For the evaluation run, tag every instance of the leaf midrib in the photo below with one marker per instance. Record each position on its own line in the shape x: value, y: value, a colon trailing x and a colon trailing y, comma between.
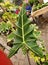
x: 22, y: 27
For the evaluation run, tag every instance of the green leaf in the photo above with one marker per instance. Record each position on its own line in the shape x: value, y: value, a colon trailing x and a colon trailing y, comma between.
x: 10, y: 36
x: 35, y: 48
x: 33, y: 1
x: 4, y: 26
x: 14, y: 49
x: 24, y: 35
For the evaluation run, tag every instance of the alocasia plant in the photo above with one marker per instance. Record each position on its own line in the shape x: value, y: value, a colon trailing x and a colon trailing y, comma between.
x: 26, y: 36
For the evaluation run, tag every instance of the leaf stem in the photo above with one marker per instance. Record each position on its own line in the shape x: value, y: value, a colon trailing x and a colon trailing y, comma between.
x: 28, y: 58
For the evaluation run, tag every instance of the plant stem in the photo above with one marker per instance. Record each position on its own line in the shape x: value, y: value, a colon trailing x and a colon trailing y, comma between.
x: 28, y: 58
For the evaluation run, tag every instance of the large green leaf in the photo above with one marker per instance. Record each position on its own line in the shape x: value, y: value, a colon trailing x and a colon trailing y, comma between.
x: 24, y: 36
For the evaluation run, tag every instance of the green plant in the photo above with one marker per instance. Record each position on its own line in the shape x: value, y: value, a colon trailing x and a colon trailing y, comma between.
x: 26, y: 37
x: 12, y: 17
x: 33, y: 1
x: 8, y: 11
x: 39, y: 60
x: 5, y: 28
x: 8, y: 17
x: 8, y: 20
x: 39, y: 6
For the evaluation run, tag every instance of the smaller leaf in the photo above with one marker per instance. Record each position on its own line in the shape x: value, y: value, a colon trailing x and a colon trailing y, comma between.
x: 14, y: 50
x: 10, y: 36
